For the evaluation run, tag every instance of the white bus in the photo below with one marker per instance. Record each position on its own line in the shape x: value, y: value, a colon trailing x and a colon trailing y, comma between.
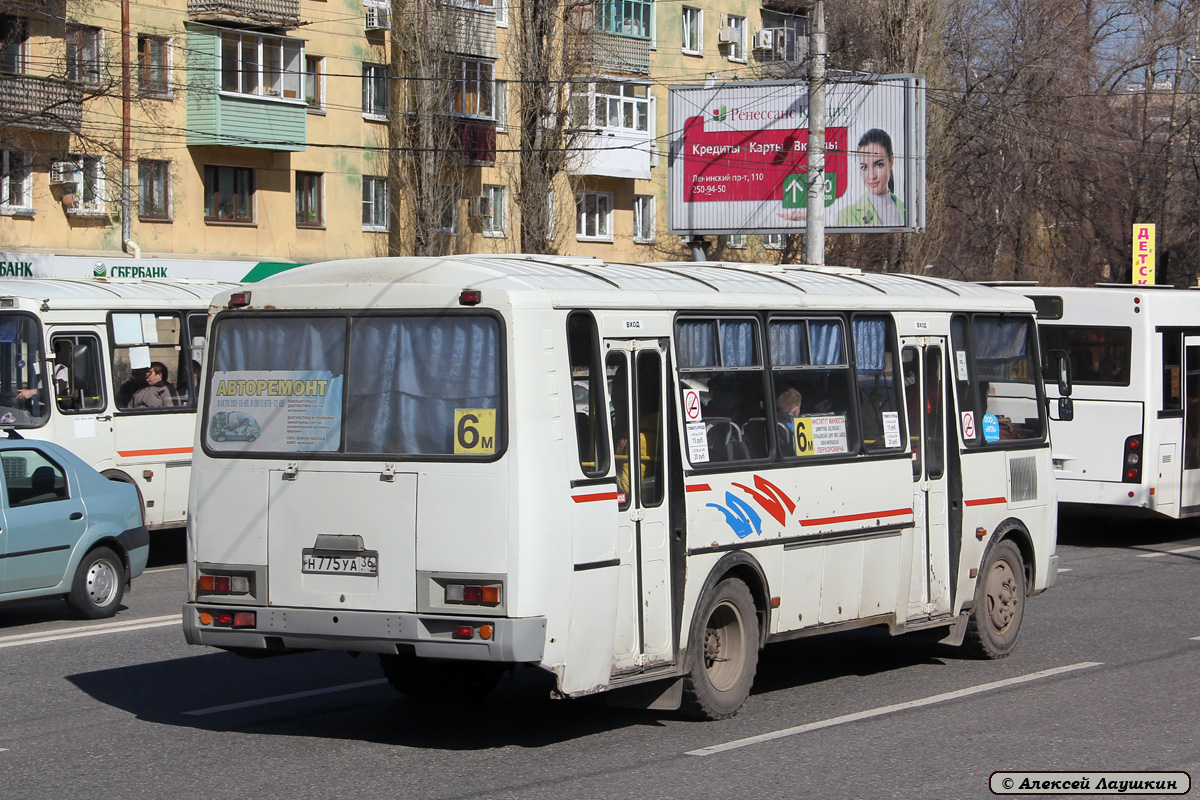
x: 1134, y: 440
x: 430, y: 459
x: 77, y: 357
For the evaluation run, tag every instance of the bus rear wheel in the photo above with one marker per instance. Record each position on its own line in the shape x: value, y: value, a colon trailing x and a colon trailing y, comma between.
x: 995, y: 622
x: 432, y: 679
x: 722, y: 653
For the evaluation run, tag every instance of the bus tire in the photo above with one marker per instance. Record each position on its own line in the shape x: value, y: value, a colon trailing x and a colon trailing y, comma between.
x: 99, y: 585
x: 722, y: 653
x: 434, y: 680
x: 995, y: 622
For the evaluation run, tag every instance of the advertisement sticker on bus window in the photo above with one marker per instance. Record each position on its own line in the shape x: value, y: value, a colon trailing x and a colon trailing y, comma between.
x: 127, y: 328
x: 961, y: 356
x: 891, y: 428
x: 149, y: 329
x: 697, y: 439
x: 820, y: 436
x: 276, y: 411
x: 474, y: 431
x: 692, y: 411
x: 991, y: 428
x: 968, y: 424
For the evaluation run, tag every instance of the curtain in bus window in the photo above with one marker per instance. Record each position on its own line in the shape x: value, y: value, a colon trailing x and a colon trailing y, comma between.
x: 317, y: 345
x: 997, y: 339
x: 788, y: 344
x: 412, y: 380
x: 737, y: 343
x: 870, y: 344
x: 697, y: 346
x: 826, y: 340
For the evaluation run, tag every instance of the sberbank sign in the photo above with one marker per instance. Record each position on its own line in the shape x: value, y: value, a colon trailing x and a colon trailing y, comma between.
x: 123, y: 271
x: 16, y: 269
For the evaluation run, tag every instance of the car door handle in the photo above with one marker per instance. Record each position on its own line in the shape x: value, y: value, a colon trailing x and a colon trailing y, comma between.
x: 76, y: 515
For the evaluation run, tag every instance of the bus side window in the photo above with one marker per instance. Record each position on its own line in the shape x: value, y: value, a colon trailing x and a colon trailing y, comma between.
x: 875, y: 371
x: 587, y: 389
x: 142, y: 339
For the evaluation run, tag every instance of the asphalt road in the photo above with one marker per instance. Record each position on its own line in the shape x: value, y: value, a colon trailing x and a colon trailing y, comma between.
x: 1104, y: 678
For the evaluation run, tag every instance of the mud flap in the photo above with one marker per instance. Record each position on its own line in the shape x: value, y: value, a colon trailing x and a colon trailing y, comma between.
x: 956, y: 632
x: 664, y: 695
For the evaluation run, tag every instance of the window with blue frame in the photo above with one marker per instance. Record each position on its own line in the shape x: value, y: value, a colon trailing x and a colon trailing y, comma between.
x: 625, y: 17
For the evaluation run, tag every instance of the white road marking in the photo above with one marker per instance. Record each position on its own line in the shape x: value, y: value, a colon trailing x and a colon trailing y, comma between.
x: 1161, y: 553
x: 162, y: 569
x: 878, y: 712
x: 1064, y: 569
x: 1196, y: 638
x: 282, y: 697
x: 97, y: 629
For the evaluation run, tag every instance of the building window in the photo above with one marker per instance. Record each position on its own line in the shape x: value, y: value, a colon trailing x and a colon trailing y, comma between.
x: 375, y: 204
x: 16, y: 182
x: 773, y: 241
x: 228, y: 194
x: 261, y: 65
x: 83, y: 55
x: 643, y: 218
x: 446, y: 210
x: 375, y: 91
x: 308, y: 200
x: 593, y: 216
x: 89, y: 182
x: 14, y: 34
x: 473, y: 90
x: 693, y: 31
x: 314, y: 82
x: 501, y: 100
x: 733, y: 35
x: 153, y: 183
x: 736, y: 241
x: 626, y: 17
x: 153, y: 67
x: 501, y: 13
x: 496, y: 200
x: 621, y: 106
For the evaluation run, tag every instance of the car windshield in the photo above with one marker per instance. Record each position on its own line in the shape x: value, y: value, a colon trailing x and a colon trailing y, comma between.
x: 23, y: 398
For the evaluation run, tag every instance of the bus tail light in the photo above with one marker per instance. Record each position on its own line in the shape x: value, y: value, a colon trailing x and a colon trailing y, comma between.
x: 229, y: 619
x: 239, y: 299
x: 222, y: 584
x: 1131, y: 466
x: 464, y: 632
x: 473, y: 594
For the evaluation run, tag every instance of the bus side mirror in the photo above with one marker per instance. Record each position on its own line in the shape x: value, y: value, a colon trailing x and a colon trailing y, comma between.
x: 1064, y: 373
x: 1066, y: 409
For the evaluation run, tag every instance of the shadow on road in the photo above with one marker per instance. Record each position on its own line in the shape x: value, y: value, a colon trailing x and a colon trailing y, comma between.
x: 520, y: 712
x: 1118, y: 528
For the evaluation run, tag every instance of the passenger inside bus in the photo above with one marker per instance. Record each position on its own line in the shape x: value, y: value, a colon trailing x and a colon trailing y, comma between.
x: 158, y: 392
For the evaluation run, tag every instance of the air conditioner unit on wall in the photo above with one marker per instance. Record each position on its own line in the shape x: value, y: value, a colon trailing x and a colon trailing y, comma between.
x: 63, y: 172
x: 482, y: 207
x: 728, y: 35
x: 378, y: 18
x: 764, y: 39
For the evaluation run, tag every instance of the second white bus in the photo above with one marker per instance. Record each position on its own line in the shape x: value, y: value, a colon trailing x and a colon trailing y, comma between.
x: 630, y: 476
x: 1133, y: 443
x: 75, y: 352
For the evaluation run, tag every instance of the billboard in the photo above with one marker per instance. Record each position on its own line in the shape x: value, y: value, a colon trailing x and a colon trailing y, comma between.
x: 739, y: 156
x: 1143, y: 254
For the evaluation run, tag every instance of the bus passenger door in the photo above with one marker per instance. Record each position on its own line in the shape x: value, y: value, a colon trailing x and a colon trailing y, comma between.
x: 1190, y: 490
x: 922, y: 360
x: 636, y: 371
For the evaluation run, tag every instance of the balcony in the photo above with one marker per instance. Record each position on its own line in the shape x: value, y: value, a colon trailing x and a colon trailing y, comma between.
x: 273, y: 14
x: 31, y: 101
x: 616, y: 53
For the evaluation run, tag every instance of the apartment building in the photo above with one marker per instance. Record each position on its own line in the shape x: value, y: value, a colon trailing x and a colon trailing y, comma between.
x: 271, y: 131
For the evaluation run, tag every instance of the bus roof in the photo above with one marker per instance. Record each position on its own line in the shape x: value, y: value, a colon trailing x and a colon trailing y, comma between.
x: 594, y: 283
x: 61, y: 293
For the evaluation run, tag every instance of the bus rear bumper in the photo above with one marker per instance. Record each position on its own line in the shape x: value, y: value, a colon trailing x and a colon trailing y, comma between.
x: 280, y: 630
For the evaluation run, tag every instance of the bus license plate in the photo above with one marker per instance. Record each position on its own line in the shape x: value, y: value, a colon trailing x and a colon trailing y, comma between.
x: 315, y: 562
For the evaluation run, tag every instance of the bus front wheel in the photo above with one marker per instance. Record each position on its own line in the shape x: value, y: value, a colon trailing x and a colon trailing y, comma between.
x: 995, y: 622
x: 722, y: 653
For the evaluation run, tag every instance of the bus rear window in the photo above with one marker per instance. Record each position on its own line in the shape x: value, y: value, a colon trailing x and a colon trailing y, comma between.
x: 1099, y: 356
x: 403, y: 385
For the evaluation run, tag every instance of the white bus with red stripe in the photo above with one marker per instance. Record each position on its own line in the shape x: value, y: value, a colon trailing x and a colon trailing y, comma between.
x: 74, y: 352
x: 630, y: 476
